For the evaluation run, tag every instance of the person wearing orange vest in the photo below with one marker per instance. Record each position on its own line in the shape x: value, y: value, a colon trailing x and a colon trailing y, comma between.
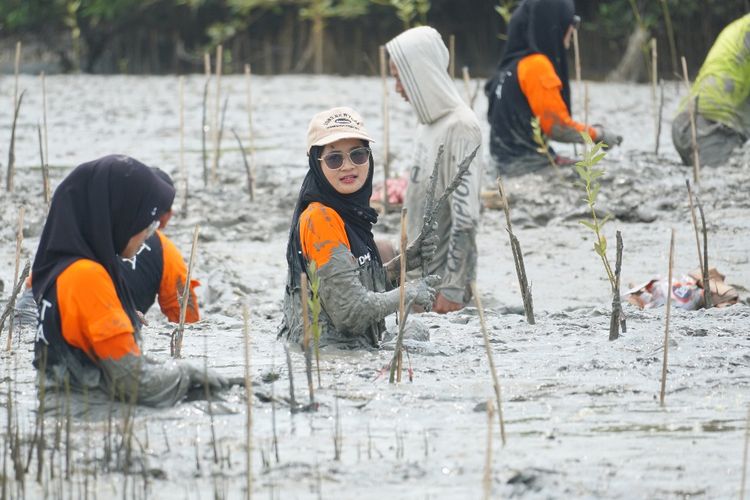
x: 88, y: 329
x: 532, y: 82
x: 331, y: 229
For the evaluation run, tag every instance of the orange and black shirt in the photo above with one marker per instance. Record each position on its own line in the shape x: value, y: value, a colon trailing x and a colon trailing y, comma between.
x: 159, y: 269
x: 527, y: 88
x: 82, y: 320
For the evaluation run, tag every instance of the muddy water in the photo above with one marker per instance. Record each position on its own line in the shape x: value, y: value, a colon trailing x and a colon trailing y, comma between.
x: 582, y: 413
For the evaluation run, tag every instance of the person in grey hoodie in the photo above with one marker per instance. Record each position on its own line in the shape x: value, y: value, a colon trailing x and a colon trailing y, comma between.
x: 419, y: 62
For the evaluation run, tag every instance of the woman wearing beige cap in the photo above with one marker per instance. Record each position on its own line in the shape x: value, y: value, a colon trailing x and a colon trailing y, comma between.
x: 332, y: 227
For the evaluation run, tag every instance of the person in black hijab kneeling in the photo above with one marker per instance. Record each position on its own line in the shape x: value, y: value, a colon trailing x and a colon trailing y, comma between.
x: 88, y: 328
x: 332, y: 229
x: 532, y: 82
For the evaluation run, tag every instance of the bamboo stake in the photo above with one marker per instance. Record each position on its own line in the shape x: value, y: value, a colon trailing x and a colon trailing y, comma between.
x: 19, y: 242
x: 654, y: 78
x: 249, y: 404
x: 396, y: 361
x: 204, y: 131
x: 251, y: 134
x: 577, y: 56
x: 386, y: 125
x: 45, y: 165
x: 176, y: 346
x: 744, y: 456
x: 306, y: 339
x: 17, y: 68
x: 45, y: 173
x: 487, y: 479
x: 695, y: 224
x: 658, y: 119
x: 670, y: 34
x: 12, y: 148
x: 491, y: 361
x: 693, y: 132
x: 207, y: 64
x: 666, y: 323
x: 707, y: 302
x: 217, y: 146
x: 515, y: 247
x: 586, y: 105
x: 452, y: 55
x: 183, y: 169
x: 616, y: 318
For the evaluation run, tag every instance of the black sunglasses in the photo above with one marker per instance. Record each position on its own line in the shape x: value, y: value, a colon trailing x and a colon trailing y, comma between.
x: 358, y: 157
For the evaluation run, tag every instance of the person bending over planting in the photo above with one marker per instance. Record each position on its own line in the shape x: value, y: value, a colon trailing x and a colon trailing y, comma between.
x: 419, y: 62
x: 722, y: 94
x: 531, y: 82
x: 88, y: 329
x: 157, y: 269
x: 332, y: 228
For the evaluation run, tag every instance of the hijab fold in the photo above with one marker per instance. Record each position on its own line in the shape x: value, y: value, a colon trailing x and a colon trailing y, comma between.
x: 94, y: 212
x: 353, y: 208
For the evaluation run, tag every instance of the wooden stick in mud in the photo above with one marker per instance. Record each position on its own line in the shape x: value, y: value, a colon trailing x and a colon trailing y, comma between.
x: 251, y: 134
x: 45, y: 174
x: 693, y: 131
x: 452, y: 55
x: 487, y: 478
x: 654, y: 82
x: 670, y: 35
x: 249, y: 404
x: 185, y: 300
x: 45, y: 165
x: 490, y: 360
x: 17, y: 68
x: 12, y: 148
x: 659, y: 116
x: 397, y: 356
x: 19, y: 243
x: 706, y: 281
x: 666, y: 323
x: 743, y: 482
x: 292, y: 399
x: 248, y: 170
x: 306, y: 347
x: 11, y: 303
x: 386, y: 126
x: 515, y: 247
x: 204, y: 153
x: 217, y: 102
x: 577, y: 54
x: 695, y: 224
x: 614, y: 323
x: 586, y: 104
x: 183, y: 169
x: 207, y: 64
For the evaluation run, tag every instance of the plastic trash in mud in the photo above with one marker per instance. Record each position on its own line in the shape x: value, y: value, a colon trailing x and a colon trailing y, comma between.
x: 687, y: 292
x: 396, y: 192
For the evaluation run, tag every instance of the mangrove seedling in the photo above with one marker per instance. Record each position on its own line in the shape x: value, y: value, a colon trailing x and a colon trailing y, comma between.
x: 314, y: 304
x: 536, y: 132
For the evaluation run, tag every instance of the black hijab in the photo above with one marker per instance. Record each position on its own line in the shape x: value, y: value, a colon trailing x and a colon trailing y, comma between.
x: 353, y: 208
x: 94, y: 212
x: 538, y: 26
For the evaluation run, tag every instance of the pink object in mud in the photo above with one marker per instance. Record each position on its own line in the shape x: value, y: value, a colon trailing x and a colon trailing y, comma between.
x: 396, y: 191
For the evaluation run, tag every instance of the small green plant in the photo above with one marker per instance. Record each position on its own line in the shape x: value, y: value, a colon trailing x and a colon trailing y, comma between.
x: 505, y: 9
x: 536, y: 131
x: 314, y: 304
x: 589, y: 173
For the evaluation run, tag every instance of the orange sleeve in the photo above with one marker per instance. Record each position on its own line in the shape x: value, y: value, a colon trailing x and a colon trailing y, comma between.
x: 542, y: 87
x: 321, y: 230
x: 91, y: 315
x: 173, y: 276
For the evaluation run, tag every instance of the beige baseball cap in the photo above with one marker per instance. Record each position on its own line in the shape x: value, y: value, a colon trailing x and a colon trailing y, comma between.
x: 333, y: 124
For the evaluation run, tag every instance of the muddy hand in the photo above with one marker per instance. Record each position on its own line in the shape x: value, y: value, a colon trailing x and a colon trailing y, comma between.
x: 608, y: 137
x: 422, y: 291
x: 203, y: 377
x: 423, y: 248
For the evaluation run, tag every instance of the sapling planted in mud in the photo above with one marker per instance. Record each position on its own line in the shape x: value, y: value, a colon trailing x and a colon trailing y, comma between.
x: 396, y: 361
x: 9, y: 306
x: 590, y: 174
x: 386, y: 124
x: 515, y: 247
x: 19, y: 242
x: 706, y: 276
x: 248, y: 170
x: 695, y: 223
x: 536, y: 133
x: 292, y: 399
x: 315, y: 307
x: 666, y: 322
x: 251, y: 134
